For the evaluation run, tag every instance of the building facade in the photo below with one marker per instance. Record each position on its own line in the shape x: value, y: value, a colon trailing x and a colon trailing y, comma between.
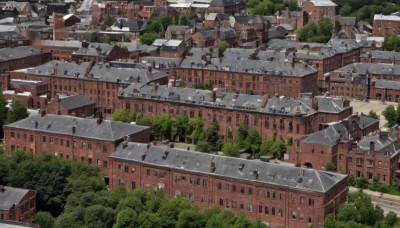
x: 17, y: 204
x: 281, y: 197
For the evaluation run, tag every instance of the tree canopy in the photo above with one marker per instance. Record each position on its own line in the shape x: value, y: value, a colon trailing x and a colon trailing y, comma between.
x: 320, y: 32
x: 391, y: 43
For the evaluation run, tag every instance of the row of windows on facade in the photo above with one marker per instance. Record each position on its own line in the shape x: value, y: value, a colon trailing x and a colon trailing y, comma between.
x: 220, y: 186
x: 233, y: 203
x: 370, y: 175
x: 57, y: 141
x: 221, y: 118
x: 27, y: 206
x: 370, y: 163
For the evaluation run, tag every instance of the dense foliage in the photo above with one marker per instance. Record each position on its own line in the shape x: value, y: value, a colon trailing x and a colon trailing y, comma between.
x: 72, y: 194
x: 391, y: 43
x: 269, y: 7
x: 360, y: 212
x: 16, y: 112
x: 364, y: 10
x: 203, y: 86
x: 392, y: 115
x: 373, y: 114
x: 362, y: 183
x: 320, y: 32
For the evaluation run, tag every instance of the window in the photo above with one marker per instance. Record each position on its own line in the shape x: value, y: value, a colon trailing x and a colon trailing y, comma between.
x: 31, y: 138
x: 105, y: 164
x: 301, y: 217
x: 293, y: 215
x: 13, y: 135
x: 233, y: 188
x: 133, y: 185
x: 61, y: 142
x: 227, y: 187
x: 67, y: 143
x: 268, y: 194
x: 98, y: 162
x: 219, y: 186
x: 293, y: 199
x: 126, y: 168
x: 249, y: 207
x: 260, y: 209
x: 43, y: 138
x: 205, y: 183
x: 301, y: 199
x: 155, y: 174
x: 281, y: 196
x: 233, y: 204
x: 266, y: 210
x: 273, y: 195
x: 89, y: 160
x: 311, y: 202
x: 241, y: 205
x: 273, y: 211
x: 202, y: 199
x: 221, y: 202
x: 280, y: 212
x: 309, y: 219
x: 147, y: 172
x: 89, y: 146
x: 250, y: 191
x: 119, y: 167
x: 242, y: 190
x: 24, y: 136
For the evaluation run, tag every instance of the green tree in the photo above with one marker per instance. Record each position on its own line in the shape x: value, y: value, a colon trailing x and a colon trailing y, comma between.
x: 223, y: 45
x: 191, y: 219
x: 391, y: 43
x: 109, y: 21
x: 345, y: 10
x: 183, y: 19
x: 90, y: 37
x: 44, y: 219
x: 127, y: 38
x: 390, y: 220
x: 126, y: 218
x: 330, y: 166
x: 169, y: 211
x: 3, y: 113
x: 148, y: 38
x: 293, y: 5
x: 373, y: 114
x: 320, y: 32
x: 98, y: 216
x: 390, y: 115
x: 106, y: 39
x: 149, y: 220
x: 231, y: 150
x: 17, y: 112
x: 203, y: 146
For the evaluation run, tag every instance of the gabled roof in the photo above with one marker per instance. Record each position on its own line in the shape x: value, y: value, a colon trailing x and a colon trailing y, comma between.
x: 331, y: 135
x: 107, y: 130
x: 387, y: 84
x: 76, y: 101
x: 332, y: 104
x: 95, y: 49
x: 229, y: 167
x: 11, y: 196
x: 7, y: 54
x: 384, y: 142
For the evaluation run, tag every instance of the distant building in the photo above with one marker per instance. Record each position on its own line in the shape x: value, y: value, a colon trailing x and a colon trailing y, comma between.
x: 230, y: 7
x: 75, y: 105
x: 318, y: 9
x: 386, y: 25
x: 17, y: 204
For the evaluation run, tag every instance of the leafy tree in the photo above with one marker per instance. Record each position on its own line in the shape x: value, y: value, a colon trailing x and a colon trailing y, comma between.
x: 16, y: 112
x: 127, y: 218
x: 252, y: 142
x: 319, y: 32
x: 170, y: 210
x: 373, y: 114
x: 127, y: 38
x: 90, y: 37
x: 330, y: 166
x: 44, y: 219
x: 391, y: 43
x: 109, y: 21
x: 203, y: 146
x: 183, y: 19
x: 390, y: 220
x: 345, y: 10
x: 191, y: 219
x: 223, y: 45
x: 204, y: 86
x: 390, y: 115
x: 148, y: 38
x: 98, y: 216
x: 231, y: 150
x: 149, y: 220
x: 106, y: 39
x: 292, y: 4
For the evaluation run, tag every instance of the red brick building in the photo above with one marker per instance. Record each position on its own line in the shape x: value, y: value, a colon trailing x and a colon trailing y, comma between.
x: 230, y: 7
x: 318, y: 9
x: 75, y: 105
x: 60, y: 50
x: 280, y: 196
x: 17, y: 204
x: 87, y: 140
x: 325, y: 145
x: 99, y: 52
x: 246, y: 75
x: 102, y: 11
x: 28, y: 92
x: 373, y: 156
x: 297, y: 19
x: 100, y: 83
x: 385, y: 25
x: 377, y: 56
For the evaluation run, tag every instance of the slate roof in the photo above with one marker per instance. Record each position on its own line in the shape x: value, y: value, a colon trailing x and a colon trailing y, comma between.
x: 387, y: 84
x: 27, y: 82
x: 283, y: 106
x: 136, y: 26
x: 178, y: 29
x: 331, y: 135
x: 7, y: 54
x: 366, y: 121
x: 219, y: 3
x: 161, y: 62
x: 95, y: 49
x: 387, y: 55
x: 174, y: 46
x: 65, y: 69
x: 228, y: 167
x: 11, y: 35
x: 332, y: 104
x: 281, y: 68
x: 371, y: 68
x: 107, y: 130
x: 347, y: 21
x: 384, y: 142
x: 219, y: 16
x: 75, y: 45
x: 11, y: 196
x: 343, y: 45
x: 76, y: 101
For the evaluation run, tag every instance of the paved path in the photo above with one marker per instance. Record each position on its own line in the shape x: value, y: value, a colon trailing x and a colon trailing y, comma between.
x: 387, y: 202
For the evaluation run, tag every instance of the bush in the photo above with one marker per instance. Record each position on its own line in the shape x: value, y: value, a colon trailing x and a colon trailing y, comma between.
x: 330, y: 166
x: 203, y: 146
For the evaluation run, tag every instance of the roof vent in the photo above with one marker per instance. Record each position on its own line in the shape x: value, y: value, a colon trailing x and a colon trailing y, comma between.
x: 255, y: 174
x: 165, y: 155
x: 125, y: 144
x: 241, y: 166
x: 36, y: 123
x: 148, y: 145
x: 212, y: 167
x: 73, y: 130
x: 143, y: 156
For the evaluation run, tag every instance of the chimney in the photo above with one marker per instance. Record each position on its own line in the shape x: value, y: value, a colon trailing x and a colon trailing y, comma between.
x: 255, y: 174
x: 371, y: 147
x: 213, y: 95
x: 36, y: 123
x: 55, y: 68
x: 99, y: 120
x: 42, y: 113
x: 124, y: 144
x: 171, y: 145
x: 148, y: 145
x: 154, y: 86
x: 85, y: 44
x: 73, y: 130
x: 143, y: 156
x: 383, y: 135
x: 212, y: 167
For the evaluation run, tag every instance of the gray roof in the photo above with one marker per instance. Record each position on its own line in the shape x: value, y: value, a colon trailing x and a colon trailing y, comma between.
x: 331, y: 135
x: 7, y: 54
x: 60, y: 68
x: 86, y: 128
x: 222, y: 3
x: 76, y: 101
x: 343, y: 45
x: 161, y: 62
x: 384, y: 142
x: 75, y: 45
x: 346, y: 21
x: 387, y: 84
x: 11, y: 196
x: 387, y: 55
x: 95, y: 49
x: 283, y: 106
x: 228, y: 167
x: 332, y: 104
x: 370, y: 68
x: 137, y: 46
x: 282, y: 68
x: 179, y: 29
x: 26, y: 82
x: 366, y: 121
